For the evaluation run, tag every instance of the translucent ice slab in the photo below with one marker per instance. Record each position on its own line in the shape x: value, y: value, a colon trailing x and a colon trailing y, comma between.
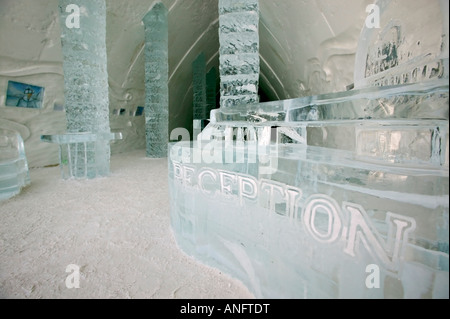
x: 428, y: 100
x: 14, y: 173
x: 402, y: 125
x: 335, y: 196
x: 82, y: 155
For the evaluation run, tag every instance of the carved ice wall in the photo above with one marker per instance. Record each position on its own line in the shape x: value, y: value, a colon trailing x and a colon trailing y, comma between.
x: 239, y: 52
x: 402, y: 50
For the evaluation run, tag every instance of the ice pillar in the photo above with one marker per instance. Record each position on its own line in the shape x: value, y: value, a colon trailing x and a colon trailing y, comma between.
x: 156, y: 81
x: 199, y: 89
x: 83, y: 33
x: 239, y: 51
x: 210, y: 91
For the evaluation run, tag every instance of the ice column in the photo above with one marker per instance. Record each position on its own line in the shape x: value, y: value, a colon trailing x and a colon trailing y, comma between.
x: 83, y: 33
x: 239, y: 51
x: 199, y: 88
x: 210, y: 91
x: 156, y: 81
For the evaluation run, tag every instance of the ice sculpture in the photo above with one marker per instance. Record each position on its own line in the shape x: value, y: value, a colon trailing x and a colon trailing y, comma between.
x: 199, y: 88
x: 342, y: 195
x: 79, y: 154
x: 156, y: 81
x: 409, y: 47
x: 239, y: 52
x: 334, y: 196
x: 83, y: 32
x: 14, y: 173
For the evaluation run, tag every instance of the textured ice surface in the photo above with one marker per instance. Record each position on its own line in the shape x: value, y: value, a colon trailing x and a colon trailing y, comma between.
x: 342, y: 195
x: 407, y: 48
x: 210, y: 91
x: 239, y: 52
x: 14, y: 173
x: 334, y: 196
x: 204, y: 87
x: 428, y: 100
x: 156, y: 81
x: 86, y: 76
x: 85, y: 67
x: 199, y: 87
x: 82, y: 154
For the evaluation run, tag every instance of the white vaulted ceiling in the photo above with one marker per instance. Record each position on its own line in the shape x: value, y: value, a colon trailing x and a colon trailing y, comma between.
x: 307, y: 47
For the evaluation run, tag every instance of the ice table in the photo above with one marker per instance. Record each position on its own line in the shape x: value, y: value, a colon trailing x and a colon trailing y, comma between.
x: 14, y: 173
x: 83, y: 155
x: 342, y: 195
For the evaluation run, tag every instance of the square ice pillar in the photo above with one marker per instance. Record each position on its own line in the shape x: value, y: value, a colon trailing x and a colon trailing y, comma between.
x: 83, y: 155
x: 239, y: 52
x: 210, y: 91
x: 156, y: 81
x: 199, y: 87
x: 14, y: 173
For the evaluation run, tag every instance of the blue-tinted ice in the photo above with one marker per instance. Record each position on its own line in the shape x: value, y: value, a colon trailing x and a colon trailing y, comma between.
x: 342, y: 195
x: 156, y: 81
x: 14, y: 173
x: 199, y: 88
x: 82, y: 155
x: 239, y: 52
x: 85, y: 85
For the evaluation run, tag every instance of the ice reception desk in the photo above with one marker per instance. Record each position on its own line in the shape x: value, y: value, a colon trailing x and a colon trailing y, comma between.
x: 342, y: 195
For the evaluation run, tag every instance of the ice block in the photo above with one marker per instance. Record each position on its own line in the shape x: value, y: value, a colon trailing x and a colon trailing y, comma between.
x: 14, y: 172
x: 408, y: 46
x: 341, y: 195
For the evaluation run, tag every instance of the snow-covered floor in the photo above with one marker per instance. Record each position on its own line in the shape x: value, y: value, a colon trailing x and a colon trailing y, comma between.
x: 115, y: 229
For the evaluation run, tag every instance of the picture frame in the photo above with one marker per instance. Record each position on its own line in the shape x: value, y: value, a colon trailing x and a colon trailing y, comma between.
x: 24, y: 95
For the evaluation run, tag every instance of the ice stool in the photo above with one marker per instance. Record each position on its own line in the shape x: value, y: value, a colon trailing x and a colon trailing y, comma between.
x: 83, y: 155
x: 14, y: 172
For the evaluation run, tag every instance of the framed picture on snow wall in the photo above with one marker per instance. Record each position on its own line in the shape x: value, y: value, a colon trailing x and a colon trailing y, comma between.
x: 24, y: 95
